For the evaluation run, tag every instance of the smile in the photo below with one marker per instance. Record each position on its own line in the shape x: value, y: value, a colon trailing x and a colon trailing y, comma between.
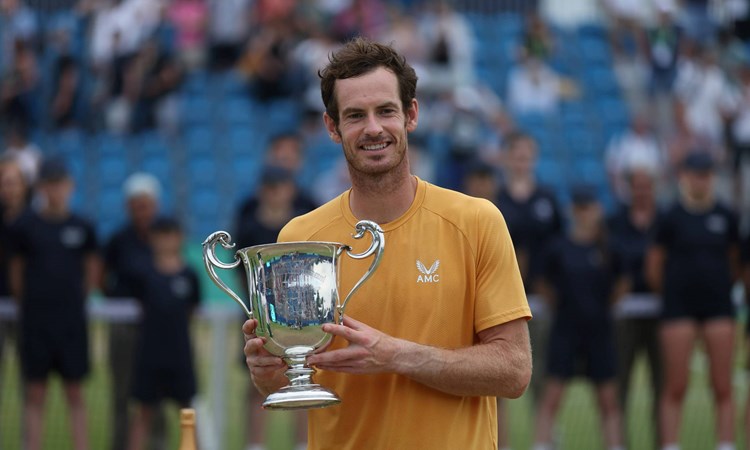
x: 375, y: 147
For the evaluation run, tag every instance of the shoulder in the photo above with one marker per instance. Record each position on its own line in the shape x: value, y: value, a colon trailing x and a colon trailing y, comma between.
x: 304, y: 227
x: 458, y: 207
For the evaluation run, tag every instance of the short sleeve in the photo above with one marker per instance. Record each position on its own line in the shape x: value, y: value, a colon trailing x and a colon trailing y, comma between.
x: 500, y: 295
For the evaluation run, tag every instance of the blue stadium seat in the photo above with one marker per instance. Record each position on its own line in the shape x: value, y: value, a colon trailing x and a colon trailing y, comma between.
x: 112, y: 169
x: 111, y: 144
x: 246, y: 141
x: 199, y: 140
x: 202, y: 171
x: 196, y: 110
x: 157, y: 165
x: 551, y: 173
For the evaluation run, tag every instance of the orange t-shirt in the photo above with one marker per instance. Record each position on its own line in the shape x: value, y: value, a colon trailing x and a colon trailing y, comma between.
x: 448, y: 271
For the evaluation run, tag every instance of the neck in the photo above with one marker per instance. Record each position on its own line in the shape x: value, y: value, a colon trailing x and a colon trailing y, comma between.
x: 274, y: 216
x: 55, y: 213
x: 382, y: 198
x: 585, y: 235
x: 12, y: 212
x: 521, y: 186
x: 168, y: 262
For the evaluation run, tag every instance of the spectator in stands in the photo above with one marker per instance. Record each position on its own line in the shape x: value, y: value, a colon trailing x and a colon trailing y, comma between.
x: 663, y: 45
x: 739, y: 133
x: 53, y: 267
x: 536, y: 40
x: 480, y: 181
x: 636, y: 146
x: 285, y: 152
x: 152, y: 82
x: 26, y: 154
x: 703, y: 98
x: 190, y: 19
x: 127, y: 251
x: 19, y: 86
x: 581, y: 277
x: 533, y: 216
x: 697, y: 21
x: 449, y: 61
x: 67, y: 93
x: 275, y: 207
x: 229, y: 28
x: 693, y: 263
x: 534, y: 88
x: 17, y: 23
x: 169, y: 292
x: 268, y: 63
x: 360, y: 18
x: 631, y: 230
x: 14, y: 199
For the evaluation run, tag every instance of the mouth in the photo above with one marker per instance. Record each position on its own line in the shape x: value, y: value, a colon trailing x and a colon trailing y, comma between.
x: 375, y: 147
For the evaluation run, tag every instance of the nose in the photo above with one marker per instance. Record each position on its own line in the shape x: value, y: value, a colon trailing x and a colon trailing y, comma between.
x: 373, y: 127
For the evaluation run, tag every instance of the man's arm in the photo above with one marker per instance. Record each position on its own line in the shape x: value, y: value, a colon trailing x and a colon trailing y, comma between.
x: 92, y: 266
x: 498, y: 365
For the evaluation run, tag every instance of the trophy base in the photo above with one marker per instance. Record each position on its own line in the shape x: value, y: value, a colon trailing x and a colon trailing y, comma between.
x: 307, y: 396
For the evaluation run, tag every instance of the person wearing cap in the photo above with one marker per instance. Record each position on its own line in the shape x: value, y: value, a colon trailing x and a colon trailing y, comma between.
x: 275, y: 207
x: 54, y: 265
x: 169, y: 293
x: 125, y: 253
x: 693, y: 263
x: 579, y: 279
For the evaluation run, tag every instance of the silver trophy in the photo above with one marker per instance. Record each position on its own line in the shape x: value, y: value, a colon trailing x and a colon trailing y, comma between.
x: 293, y: 290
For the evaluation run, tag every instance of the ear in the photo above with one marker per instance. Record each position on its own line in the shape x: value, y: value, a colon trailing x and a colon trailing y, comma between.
x: 332, y: 129
x: 412, y: 115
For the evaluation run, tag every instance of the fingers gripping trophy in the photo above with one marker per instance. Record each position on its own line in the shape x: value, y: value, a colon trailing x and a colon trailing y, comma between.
x: 293, y: 289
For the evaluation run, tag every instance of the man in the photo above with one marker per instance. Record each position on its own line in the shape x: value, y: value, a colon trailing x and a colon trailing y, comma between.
x: 127, y: 252
x: 53, y: 267
x: 417, y: 361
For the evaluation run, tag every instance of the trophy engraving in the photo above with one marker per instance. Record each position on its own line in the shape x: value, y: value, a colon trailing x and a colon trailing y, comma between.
x: 293, y: 291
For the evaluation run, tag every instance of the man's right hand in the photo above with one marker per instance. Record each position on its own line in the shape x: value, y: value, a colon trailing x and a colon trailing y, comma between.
x: 267, y: 370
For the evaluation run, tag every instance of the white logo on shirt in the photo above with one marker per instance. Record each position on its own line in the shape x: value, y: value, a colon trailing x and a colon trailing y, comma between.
x: 181, y: 287
x: 716, y: 224
x: 72, y: 236
x: 428, y: 275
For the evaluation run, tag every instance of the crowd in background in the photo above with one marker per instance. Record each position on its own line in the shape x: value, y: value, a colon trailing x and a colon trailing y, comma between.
x: 656, y: 269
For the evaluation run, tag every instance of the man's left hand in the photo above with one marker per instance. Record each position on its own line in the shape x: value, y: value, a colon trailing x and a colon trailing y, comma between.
x: 369, y: 350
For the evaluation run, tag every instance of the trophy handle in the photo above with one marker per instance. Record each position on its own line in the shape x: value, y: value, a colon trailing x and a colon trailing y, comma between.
x: 211, y: 260
x: 376, y: 247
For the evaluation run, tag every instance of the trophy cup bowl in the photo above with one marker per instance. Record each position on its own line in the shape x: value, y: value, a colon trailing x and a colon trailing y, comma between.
x: 293, y: 291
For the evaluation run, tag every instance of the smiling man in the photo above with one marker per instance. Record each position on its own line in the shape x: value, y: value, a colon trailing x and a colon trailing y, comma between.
x: 440, y: 328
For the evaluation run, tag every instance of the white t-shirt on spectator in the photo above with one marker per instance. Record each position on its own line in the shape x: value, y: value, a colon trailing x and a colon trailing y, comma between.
x: 705, y: 93
x: 28, y: 159
x: 533, y: 89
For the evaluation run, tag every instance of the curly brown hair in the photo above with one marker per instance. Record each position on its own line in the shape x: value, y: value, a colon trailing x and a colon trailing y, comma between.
x: 358, y: 57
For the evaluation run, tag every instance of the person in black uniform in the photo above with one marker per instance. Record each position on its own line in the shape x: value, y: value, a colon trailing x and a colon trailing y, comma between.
x: 127, y: 252
x: 169, y: 292
x: 275, y: 207
x: 580, y: 276
x: 631, y: 230
x: 534, y: 220
x: 53, y: 267
x: 694, y: 262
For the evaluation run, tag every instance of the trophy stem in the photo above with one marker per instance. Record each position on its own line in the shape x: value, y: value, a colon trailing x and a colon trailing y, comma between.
x: 301, y: 393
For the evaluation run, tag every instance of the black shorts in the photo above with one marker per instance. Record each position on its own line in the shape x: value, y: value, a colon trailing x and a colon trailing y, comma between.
x: 674, y: 309
x: 44, y: 351
x: 154, y: 384
x: 575, y: 351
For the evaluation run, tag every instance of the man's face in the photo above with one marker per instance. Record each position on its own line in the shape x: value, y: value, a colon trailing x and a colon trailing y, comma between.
x: 287, y: 153
x: 522, y: 157
x: 166, y: 242
x: 142, y: 210
x: 372, y: 126
x: 57, y: 192
x: 641, y: 186
x: 698, y: 183
x: 481, y: 186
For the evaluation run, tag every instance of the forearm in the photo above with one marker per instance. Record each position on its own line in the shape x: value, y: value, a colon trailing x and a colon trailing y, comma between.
x: 497, y: 368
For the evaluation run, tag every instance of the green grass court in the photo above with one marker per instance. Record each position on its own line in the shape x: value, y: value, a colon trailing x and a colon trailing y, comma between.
x: 578, y: 428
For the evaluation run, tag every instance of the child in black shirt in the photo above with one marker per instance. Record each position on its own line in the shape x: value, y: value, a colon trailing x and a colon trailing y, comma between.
x: 169, y: 293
